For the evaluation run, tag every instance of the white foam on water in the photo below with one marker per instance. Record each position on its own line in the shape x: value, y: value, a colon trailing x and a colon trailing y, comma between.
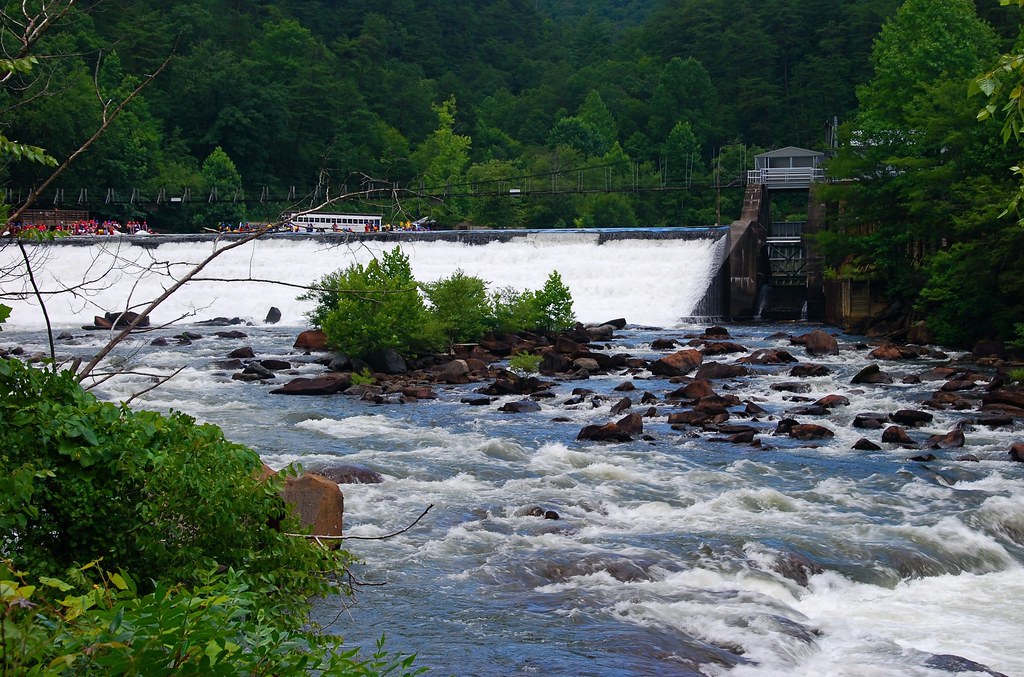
x: 649, y: 281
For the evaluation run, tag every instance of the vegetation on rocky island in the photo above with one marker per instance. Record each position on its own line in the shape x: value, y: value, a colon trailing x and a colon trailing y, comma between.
x: 380, y: 306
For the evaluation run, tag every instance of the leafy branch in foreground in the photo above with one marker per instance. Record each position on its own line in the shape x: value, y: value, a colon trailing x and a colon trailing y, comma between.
x: 223, y: 590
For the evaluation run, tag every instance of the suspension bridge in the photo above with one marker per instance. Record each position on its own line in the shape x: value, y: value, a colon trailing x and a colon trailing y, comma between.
x: 606, y: 178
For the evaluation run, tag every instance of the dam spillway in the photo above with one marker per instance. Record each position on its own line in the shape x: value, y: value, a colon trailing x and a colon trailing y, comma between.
x: 649, y: 276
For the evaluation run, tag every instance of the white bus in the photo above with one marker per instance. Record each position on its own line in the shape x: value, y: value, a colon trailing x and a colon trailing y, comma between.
x: 319, y: 221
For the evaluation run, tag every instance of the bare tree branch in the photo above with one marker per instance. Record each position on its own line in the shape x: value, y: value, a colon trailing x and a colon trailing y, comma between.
x: 42, y: 304
x: 319, y: 537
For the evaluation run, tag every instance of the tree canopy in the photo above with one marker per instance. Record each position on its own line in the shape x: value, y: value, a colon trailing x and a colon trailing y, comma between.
x: 301, y: 93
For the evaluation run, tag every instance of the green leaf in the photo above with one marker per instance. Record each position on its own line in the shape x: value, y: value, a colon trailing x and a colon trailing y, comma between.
x: 55, y: 583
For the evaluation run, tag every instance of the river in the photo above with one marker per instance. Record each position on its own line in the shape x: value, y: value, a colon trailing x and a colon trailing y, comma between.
x: 680, y: 554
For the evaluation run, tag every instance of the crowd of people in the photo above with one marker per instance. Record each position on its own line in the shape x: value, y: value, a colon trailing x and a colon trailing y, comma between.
x: 84, y: 227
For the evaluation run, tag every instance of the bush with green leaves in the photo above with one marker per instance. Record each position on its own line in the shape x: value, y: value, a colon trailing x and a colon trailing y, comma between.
x: 363, y: 309
x: 159, y: 495
x: 512, y: 310
x: 460, y: 307
x: 162, y: 498
x: 547, y: 309
x: 100, y: 623
x: 525, y: 363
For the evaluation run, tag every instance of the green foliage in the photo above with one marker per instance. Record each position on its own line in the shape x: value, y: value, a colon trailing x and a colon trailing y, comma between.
x: 580, y: 135
x: 553, y: 303
x: 378, y: 306
x: 459, y: 305
x: 99, y: 623
x: 363, y: 378
x: 512, y: 310
x: 145, y: 492
x: 524, y: 363
x: 548, y: 309
x: 221, y: 591
x: 5, y: 312
x: 222, y: 181
x: 364, y: 309
x: 299, y: 96
x: 1018, y: 341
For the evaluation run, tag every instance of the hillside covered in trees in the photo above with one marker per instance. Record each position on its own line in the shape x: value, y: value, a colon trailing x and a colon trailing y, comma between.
x: 461, y: 101
x: 312, y: 92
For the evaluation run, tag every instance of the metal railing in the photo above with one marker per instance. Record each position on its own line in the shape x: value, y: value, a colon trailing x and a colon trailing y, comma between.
x: 786, y: 175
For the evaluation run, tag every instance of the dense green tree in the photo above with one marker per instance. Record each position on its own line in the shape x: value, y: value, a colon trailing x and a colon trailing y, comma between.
x: 594, y: 112
x: 460, y: 306
x: 303, y: 94
x: 442, y: 159
x: 684, y: 92
x: 496, y: 209
x: 927, y: 175
x: 221, y: 201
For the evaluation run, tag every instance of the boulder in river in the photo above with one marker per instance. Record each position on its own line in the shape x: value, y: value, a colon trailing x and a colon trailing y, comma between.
x: 719, y: 370
x: 809, y: 370
x: 243, y: 353
x: 520, y: 407
x: 349, y: 474
x: 609, y: 432
x: 1017, y: 452
x: 894, y: 434
x: 954, y: 439
x: 768, y: 356
x: 387, y: 361
x: 631, y: 424
x: 819, y: 342
x: 871, y: 374
x: 810, y: 431
x: 317, y: 502
x: 677, y: 364
x: 911, y: 417
x: 313, y: 340
x: 326, y: 384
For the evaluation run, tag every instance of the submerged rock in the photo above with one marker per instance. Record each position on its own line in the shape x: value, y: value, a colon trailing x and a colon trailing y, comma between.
x: 350, y: 474
x: 327, y: 384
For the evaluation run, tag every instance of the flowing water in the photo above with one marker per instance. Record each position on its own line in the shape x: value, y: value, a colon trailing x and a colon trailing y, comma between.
x: 674, y: 555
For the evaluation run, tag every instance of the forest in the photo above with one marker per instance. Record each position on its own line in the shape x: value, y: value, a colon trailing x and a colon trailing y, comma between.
x: 632, y: 112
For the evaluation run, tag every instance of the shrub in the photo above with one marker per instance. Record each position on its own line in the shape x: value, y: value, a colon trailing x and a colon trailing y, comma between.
x: 363, y: 309
x: 524, y: 363
x: 100, y: 624
x: 459, y: 306
x: 161, y: 495
x: 222, y: 591
x: 548, y: 309
x: 512, y: 310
